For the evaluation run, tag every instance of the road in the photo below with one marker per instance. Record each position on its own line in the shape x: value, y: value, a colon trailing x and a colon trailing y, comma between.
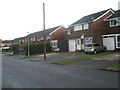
x: 23, y: 73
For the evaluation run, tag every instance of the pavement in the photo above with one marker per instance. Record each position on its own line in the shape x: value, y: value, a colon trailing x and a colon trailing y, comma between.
x: 27, y: 73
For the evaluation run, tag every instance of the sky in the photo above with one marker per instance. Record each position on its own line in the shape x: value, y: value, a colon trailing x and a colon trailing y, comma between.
x: 17, y: 17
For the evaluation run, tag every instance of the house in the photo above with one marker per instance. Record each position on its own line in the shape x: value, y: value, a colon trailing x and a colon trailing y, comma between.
x: 112, y: 37
x: 5, y: 45
x: 88, y: 29
x: 53, y: 35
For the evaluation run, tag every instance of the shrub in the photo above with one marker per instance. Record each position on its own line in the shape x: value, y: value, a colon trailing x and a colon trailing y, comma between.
x: 15, y: 49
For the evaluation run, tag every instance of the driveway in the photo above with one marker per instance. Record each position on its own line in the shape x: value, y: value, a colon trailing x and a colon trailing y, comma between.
x: 23, y: 73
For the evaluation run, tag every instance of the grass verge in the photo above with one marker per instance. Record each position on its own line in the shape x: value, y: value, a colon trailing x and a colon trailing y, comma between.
x: 65, y: 62
x: 9, y: 55
x: 114, y: 67
x: 91, y: 56
x: 25, y: 57
x: 2, y: 53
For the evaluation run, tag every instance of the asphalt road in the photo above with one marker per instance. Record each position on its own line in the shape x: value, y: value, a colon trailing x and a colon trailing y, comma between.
x: 19, y: 73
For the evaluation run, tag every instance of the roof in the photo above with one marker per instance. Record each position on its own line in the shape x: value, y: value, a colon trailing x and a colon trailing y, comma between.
x: 40, y: 33
x: 115, y: 15
x: 90, y: 17
x: 17, y: 39
x: 6, y: 41
x: 36, y: 34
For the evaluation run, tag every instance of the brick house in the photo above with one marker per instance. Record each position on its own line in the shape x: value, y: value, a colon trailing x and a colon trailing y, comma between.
x: 52, y: 35
x: 111, y: 39
x: 89, y: 29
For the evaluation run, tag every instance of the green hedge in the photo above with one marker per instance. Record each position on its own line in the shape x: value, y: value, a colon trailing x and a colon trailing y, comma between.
x: 15, y: 49
x: 37, y: 48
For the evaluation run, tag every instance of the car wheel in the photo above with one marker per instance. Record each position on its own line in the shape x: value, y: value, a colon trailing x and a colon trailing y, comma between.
x: 105, y: 49
x: 94, y: 51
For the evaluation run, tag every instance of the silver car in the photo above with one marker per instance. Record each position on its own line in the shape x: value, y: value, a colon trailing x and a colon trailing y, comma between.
x: 94, y: 48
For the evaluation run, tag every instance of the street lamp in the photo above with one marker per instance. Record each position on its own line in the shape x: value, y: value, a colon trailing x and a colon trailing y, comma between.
x: 28, y: 46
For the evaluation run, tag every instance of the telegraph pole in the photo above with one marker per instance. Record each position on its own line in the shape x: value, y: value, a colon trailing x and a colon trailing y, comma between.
x: 28, y: 46
x: 44, y: 31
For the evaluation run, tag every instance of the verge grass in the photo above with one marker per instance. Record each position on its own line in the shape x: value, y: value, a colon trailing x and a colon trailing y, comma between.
x: 114, y: 67
x: 65, y: 62
x: 91, y: 56
x: 9, y: 55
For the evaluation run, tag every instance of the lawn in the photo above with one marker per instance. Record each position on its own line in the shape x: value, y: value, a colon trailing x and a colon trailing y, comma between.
x: 114, y: 67
x: 65, y: 62
x: 90, y: 56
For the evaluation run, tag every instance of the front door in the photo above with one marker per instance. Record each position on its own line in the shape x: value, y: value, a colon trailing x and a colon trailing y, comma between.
x: 72, y: 45
x: 78, y: 44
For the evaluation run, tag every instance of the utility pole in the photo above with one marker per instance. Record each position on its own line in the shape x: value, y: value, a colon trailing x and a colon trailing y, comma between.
x: 44, y: 31
x: 28, y: 46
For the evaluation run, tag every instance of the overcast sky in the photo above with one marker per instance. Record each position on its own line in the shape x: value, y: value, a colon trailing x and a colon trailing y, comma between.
x: 17, y: 17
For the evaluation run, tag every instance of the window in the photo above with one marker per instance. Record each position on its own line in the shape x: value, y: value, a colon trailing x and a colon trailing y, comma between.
x: 81, y: 27
x: 115, y: 22
x: 33, y: 38
x: 85, y: 26
x: 41, y: 38
x: 118, y: 38
x: 48, y: 37
x: 88, y: 40
x: 68, y: 32
x: 54, y: 43
x: 38, y: 38
x: 78, y: 27
x: 118, y: 41
x: 78, y: 42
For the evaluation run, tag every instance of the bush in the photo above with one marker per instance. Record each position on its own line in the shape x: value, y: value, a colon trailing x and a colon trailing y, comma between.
x: 37, y: 48
x: 15, y: 49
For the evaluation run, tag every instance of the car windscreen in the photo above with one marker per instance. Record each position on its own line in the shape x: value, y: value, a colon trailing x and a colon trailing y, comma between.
x: 88, y: 45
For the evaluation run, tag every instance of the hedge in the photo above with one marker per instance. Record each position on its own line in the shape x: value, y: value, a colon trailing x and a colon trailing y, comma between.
x: 15, y: 49
x: 37, y: 48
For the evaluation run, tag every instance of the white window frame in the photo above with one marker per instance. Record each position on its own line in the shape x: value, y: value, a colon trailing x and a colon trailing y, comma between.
x: 112, y: 22
x: 85, y: 26
x: 117, y: 42
x: 78, y: 27
x: 54, y: 43
x: 88, y: 40
x: 68, y: 32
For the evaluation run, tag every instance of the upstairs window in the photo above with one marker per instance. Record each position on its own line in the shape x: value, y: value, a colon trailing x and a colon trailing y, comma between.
x: 115, y: 22
x: 85, y: 26
x: 81, y: 27
x: 78, y: 27
x: 68, y: 32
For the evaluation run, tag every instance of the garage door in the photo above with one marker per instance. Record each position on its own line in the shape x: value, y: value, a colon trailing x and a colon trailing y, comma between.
x: 72, y: 45
x: 109, y: 43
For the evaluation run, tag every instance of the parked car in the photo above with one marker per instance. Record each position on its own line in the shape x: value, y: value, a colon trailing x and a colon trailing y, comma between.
x: 94, y: 48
